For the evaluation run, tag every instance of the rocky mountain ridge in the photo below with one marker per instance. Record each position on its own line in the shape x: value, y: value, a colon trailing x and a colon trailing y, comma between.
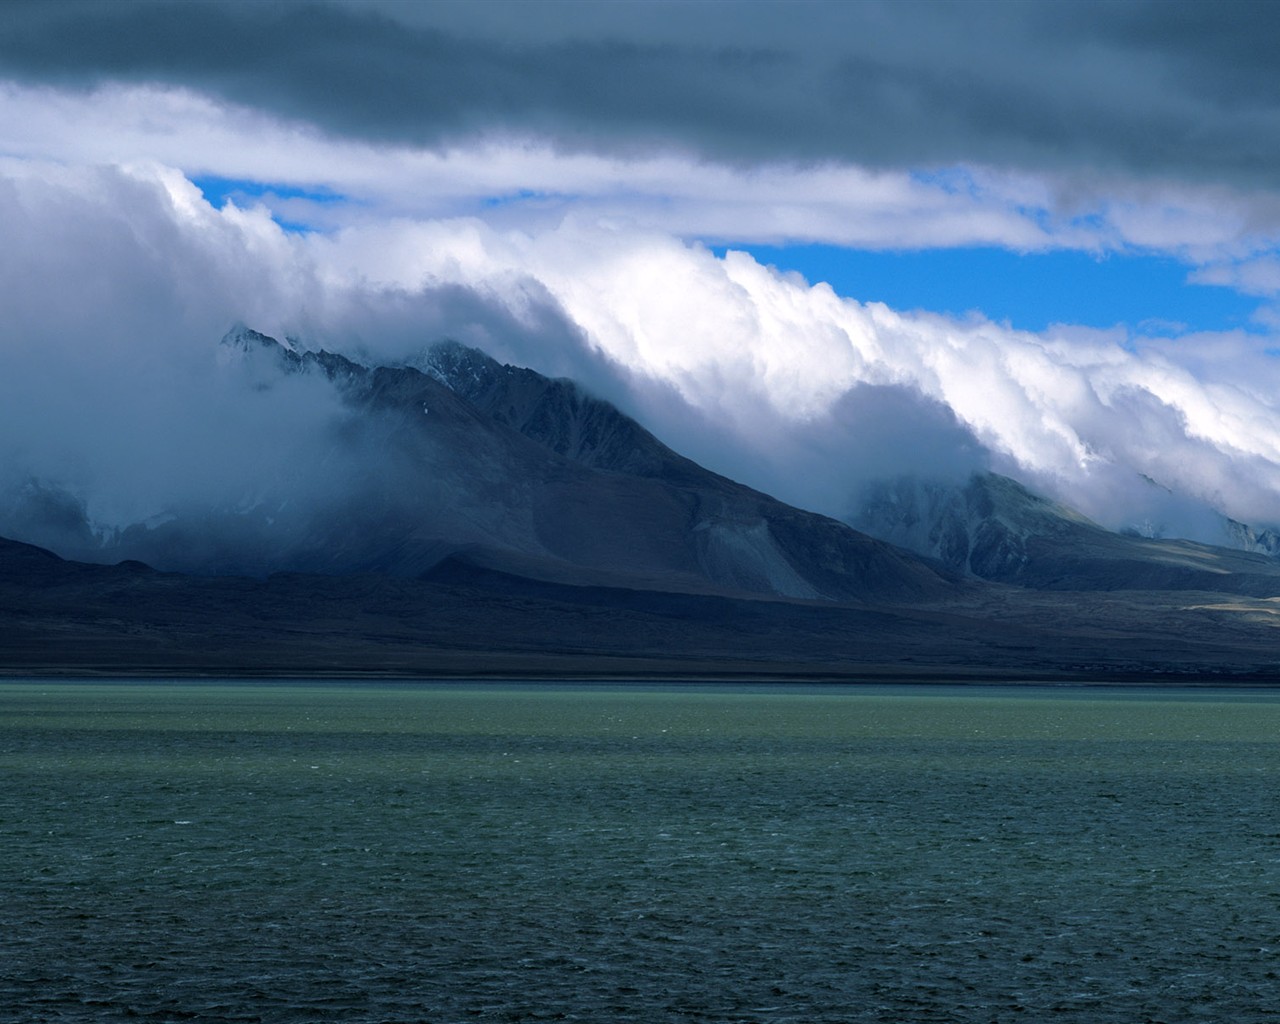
x: 993, y: 528
x: 478, y: 518
x: 499, y: 466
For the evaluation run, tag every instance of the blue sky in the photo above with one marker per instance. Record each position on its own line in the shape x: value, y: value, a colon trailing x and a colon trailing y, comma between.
x: 1031, y: 291
x: 277, y: 195
x: 218, y: 190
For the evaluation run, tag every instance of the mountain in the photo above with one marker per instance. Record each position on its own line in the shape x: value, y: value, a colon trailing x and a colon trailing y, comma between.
x: 67, y: 618
x: 463, y: 517
x: 993, y: 528
x: 556, y: 413
x: 1247, y: 538
x: 463, y: 458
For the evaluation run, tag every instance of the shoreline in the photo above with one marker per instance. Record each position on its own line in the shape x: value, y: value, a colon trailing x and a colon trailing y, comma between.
x: 673, y: 675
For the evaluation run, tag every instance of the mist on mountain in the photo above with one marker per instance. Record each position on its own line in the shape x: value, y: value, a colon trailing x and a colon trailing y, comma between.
x: 116, y: 413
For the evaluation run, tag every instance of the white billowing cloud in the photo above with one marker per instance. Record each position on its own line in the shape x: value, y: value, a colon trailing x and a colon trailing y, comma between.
x: 117, y: 283
x: 115, y: 286
x: 768, y: 356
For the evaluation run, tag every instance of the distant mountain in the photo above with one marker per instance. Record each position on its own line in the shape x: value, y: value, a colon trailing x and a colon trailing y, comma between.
x: 993, y: 528
x: 464, y: 517
x: 1247, y: 538
x: 463, y: 458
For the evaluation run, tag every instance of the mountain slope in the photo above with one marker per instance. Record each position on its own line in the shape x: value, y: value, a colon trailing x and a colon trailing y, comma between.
x: 65, y: 618
x: 557, y: 413
x: 993, y: 528
x: 522, y: 474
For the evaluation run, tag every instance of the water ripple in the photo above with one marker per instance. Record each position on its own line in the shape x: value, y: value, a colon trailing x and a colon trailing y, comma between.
x: 635, y: 856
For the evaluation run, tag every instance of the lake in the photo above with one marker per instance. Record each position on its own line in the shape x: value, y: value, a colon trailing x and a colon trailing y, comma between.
x: 495, y: 852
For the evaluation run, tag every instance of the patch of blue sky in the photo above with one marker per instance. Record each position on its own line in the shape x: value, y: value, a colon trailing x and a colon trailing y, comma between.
x: 524, y: 195
x: 1146, y: 293
x: 244, y: 192
x: 218, y: 190
x: 295, y: 227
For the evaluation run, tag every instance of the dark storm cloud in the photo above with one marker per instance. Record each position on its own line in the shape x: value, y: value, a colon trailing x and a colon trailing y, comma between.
x: 1180, y: 89
x: 362, y: 74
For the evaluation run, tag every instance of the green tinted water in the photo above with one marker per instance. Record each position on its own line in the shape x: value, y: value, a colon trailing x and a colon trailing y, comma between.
x: 444, y: 853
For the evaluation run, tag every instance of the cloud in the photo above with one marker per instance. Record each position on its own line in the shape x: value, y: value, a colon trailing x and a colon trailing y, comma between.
x: 542, y: 180
x: 113, y: 285
x: 519, y: 181
x: 117, y: 283
x: 879, y: 126
x: 1176, y: 89
x: 779, y: 365
x: 117, y: 405
x: 120, y: 411
x: 298, y: 176
x: 1259, y: 276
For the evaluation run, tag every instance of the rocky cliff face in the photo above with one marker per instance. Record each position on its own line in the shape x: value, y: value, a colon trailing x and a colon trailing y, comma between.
x: 1247, y: 538
x: 993, y: 528
x: 982, y: 527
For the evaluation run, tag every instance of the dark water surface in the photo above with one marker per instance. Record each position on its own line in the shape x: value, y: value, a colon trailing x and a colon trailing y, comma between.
x: 365, y: 852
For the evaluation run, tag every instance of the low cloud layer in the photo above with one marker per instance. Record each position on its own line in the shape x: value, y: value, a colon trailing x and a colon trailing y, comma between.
x: 118, y: 283
x: 1083, y: 415
x: 118, y: 406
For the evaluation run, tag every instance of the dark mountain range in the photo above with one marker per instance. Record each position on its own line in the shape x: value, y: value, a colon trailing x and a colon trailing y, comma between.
x: 506, y: 469
x: 993, y: 528
x: 472, y: 518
